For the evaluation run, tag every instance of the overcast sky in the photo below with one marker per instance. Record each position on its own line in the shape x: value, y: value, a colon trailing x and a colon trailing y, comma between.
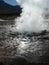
x: 12, y: 2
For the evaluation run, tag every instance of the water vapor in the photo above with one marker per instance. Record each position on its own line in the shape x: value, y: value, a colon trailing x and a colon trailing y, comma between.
x: 32, y: 17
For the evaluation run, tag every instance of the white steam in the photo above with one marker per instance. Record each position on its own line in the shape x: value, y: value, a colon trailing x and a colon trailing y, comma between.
x: 32, y: 16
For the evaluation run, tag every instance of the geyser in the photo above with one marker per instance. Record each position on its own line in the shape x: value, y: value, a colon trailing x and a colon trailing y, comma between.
x: 33, y: 17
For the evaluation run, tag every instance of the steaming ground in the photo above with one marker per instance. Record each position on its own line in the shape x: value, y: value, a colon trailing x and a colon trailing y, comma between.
x: 23, y: 38
x: 33, y: 47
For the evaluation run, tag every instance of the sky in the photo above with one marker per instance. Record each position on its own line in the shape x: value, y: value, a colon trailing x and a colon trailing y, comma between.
x: 12, y: 2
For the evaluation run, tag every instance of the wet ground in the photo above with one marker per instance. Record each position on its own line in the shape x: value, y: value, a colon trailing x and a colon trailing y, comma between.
x: 16, y: 47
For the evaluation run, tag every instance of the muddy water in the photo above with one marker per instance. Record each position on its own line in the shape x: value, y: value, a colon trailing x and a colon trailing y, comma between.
x: 32, y: 47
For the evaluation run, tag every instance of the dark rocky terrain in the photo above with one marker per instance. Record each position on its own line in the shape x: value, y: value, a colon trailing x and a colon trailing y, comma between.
x: 23, y: 49
x: 9, y: 9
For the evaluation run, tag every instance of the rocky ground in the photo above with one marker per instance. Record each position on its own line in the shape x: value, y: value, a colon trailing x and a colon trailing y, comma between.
x: 33, y: 48
x: 16, y: 47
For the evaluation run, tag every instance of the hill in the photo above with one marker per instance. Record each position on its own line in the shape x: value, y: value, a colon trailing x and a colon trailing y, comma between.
x: 9, y: 9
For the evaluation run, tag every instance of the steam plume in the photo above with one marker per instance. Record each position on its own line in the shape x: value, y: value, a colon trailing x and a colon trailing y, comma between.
x: 32, y: 16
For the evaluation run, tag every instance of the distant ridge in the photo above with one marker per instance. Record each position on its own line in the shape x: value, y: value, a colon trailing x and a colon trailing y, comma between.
x: 9, y: 9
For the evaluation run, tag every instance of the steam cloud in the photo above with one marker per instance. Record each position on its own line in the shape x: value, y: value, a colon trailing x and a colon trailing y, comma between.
x: 32, y: 16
